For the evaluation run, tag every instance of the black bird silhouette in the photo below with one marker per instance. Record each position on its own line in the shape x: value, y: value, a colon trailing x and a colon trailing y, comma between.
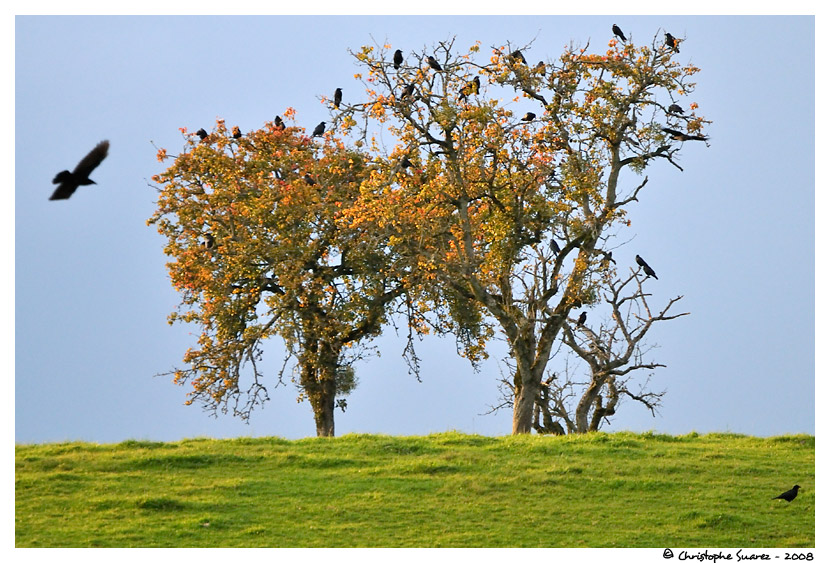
x: 788, y: 495
x: 397, y: 60
x: 618, y: 32
x: 433, y: 64
x: 236, y: 132
x: 554, y: 246
x: 678, y: 136
x: 582, y: 317
x: 518, y: 56
x: 318, y: 131
x: 472, y: 87
x: 279, y: 123
x: 646, y: 268
x: 202, y: 134
x: 408, y: 90
x: 309, y: 180
x: 608, y: 257
x: 674, y: 108
x: 672, y: 42
x: 69, y: 181
x: 529, y: 116
x: 406, y: 163
x: 210, y: 242
x: 338, y: 97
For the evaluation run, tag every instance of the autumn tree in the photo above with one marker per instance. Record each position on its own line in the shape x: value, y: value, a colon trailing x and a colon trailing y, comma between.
x: 506, y: 180
x: 261, y: 246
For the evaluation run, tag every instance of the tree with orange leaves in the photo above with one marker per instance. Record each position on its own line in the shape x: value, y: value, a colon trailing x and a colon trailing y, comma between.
x: 507, y: 218
x: 262, y: 245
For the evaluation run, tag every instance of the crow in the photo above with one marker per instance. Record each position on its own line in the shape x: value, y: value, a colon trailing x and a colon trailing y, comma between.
x: 236, y: 132
x: 672, y: 42
x: 582, y: 317
x: 408, y: 90
x: 338, y: 97
x: 529, y: 116
x: 646, y: 268
x: 397, y: 60
x: 674, y: 108
x: 433, y: 64
x: 554, y: 246
x: 618, y: 32
x: 202, y: 134
x: 318, y: 131
x: 309, y: 180
x: 607, y: 257
x: 210, y: 242
x: 678, y: 136
x: 518, y: 56
x: 540, y: 68
x: 69, y: 181
x: 472, y: 87
x: 789, y: 495
x: 278, y: 123
x: 406, y: 163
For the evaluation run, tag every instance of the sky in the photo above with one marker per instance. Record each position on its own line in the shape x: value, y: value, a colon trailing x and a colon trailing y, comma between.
x: 734, y: 233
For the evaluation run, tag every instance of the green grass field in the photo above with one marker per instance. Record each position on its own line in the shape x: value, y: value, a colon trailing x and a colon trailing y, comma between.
x: 442, y: 490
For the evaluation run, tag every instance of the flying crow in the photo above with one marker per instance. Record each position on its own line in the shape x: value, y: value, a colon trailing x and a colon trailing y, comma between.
x: 646, y: 268
x: 789, y: 495
x: 69, y: 181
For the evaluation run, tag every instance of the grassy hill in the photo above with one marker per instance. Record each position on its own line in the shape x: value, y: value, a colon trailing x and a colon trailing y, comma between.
x: 442, y: 490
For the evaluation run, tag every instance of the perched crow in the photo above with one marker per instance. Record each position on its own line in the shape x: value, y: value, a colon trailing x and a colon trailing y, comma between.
x: 279, y: 123
x: 529, y: 116
x: 672, y: 42
x: 309, y: 180
x: 789, y: 495
x: 646, y: 268
x: 397, y: 60
x: 236, y: 132
x: 607, y: 257
x: 674, y: 108
x: 678, y: 136
x: 338, y: 97
x: 540, y: 68
x: 69, y: 181
x: 406, y: 163
x: 582, y: 317
x: 554, y: 246
x: 472, y: 87
x: 433, y: 64
x: 618, y: 32
x: 210, y: 242
x: 408, y: 90
x: 318, y: 131
x: 517, y: 56
x: 202, y: 134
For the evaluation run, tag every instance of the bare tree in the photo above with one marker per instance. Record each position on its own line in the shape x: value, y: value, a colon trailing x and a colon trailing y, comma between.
x: 614, y: 351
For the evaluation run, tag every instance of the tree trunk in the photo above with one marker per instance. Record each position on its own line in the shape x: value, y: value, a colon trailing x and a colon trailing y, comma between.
x: 527, y: 389
x: 584, y: 406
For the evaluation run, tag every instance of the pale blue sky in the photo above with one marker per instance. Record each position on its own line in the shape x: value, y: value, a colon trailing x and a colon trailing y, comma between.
x: 734, y: 233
